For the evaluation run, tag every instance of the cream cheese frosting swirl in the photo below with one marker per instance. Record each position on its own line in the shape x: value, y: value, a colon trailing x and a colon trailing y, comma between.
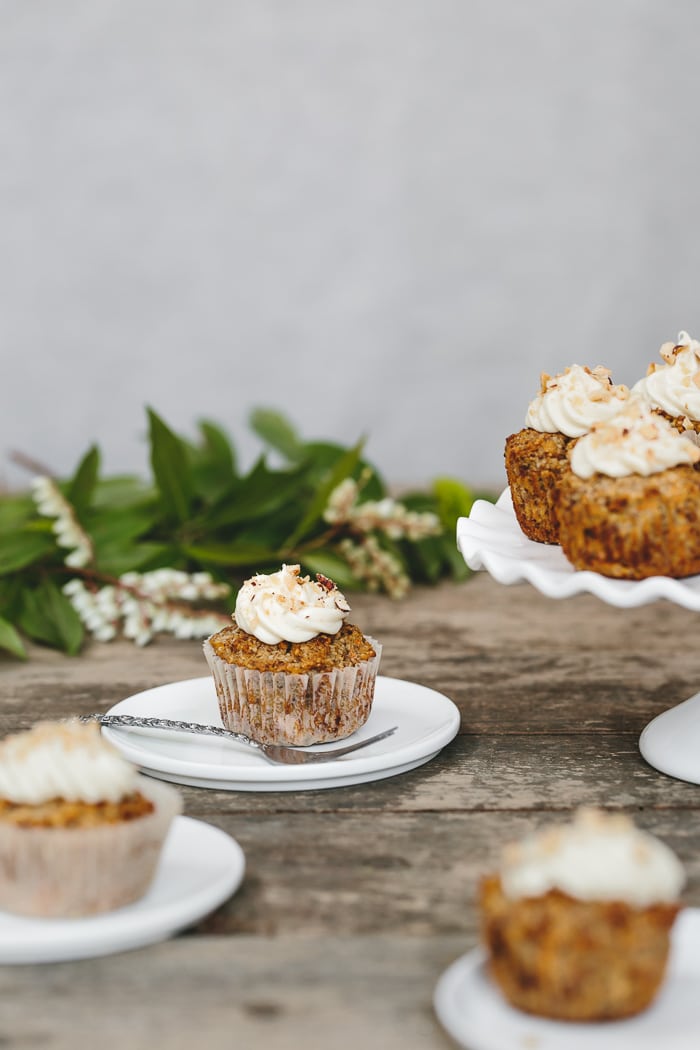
x: 572, y: 401
x: 67, y: 761
x: 636, y: 441
x: 674, y: 387
x: 597, y: 857
x: 285, y: 606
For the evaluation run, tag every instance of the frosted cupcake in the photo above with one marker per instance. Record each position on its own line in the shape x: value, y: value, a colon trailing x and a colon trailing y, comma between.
x: 673, y: 389
x: 289, y: 669
x: 577, y: 921
x: 628, y: 508
x: 566, y: 407
x: 80, y: 831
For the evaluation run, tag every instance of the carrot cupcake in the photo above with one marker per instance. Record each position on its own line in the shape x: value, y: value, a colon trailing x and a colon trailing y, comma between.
x: 628, y: 508
x: 566, y: 407
x: 80, y: 831
x: 577, y: 921
x: 289, y: 669
x: 673, y: 389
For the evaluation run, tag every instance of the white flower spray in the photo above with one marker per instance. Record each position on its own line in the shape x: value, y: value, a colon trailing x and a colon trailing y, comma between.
x: 51, y: 503
x: 144, y: 604
x: 138, y: 605
x: 368, y: 560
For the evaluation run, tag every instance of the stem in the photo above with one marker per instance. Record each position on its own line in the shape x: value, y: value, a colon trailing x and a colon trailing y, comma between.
x: 29, y: 464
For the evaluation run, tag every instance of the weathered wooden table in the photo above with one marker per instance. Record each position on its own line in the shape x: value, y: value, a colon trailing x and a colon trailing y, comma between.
x: 356, y: 899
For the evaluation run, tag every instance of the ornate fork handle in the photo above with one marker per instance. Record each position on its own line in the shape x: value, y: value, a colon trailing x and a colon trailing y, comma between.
x: 137, y: 722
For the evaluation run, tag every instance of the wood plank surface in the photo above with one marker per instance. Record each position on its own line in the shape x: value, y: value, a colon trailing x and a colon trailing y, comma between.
x: 356, y: 898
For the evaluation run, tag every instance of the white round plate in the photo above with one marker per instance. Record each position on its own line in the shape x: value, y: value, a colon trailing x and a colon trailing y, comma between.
x: 473, y: 1011
x: 490, y: 538
x: 671, y: 741
x: 427, y: 721
x: 200, y: 867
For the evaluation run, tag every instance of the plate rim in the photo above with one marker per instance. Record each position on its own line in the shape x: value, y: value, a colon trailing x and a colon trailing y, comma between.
x: 417, y: 751
x: 138, y: 924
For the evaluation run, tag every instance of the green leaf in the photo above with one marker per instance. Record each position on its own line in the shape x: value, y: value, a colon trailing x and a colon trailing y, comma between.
x: 82, y: 485
x: 253, y: 497
x: 118, y: 558
x: 10, y: 640
x: 322, y: 456
x: 121, y: 527
x: 342, y: 469
x: 229, y: 554
x: 456, y: 563
x: 15, y: 511
x: 219, y: 447
x: 48, y: 616
x: 170, y: 469
x: 426, y: 556
x: 329, y: 564
x: 212, y: 462
x: 20, y: 549
x: 276, y: 431
x: 122, y: 492
x: 454, y: 500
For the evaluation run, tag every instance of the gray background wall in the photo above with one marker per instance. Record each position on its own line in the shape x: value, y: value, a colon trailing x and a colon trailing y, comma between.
x: 383, y: 216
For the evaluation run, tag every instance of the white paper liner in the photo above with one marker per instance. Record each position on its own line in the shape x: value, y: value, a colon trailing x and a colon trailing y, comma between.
x: 274, y: 707
x: 72, y: 872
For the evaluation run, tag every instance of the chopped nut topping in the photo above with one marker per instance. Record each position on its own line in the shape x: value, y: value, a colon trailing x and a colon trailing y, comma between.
x: 602, y: 373
x: 669, y: 351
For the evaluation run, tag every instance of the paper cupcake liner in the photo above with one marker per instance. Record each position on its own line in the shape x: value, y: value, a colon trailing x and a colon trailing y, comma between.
x: 72, y: 872
x: 274, y: 707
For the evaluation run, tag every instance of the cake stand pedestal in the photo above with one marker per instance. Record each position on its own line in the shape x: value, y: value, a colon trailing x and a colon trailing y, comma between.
x: 491, y: 539
x: 671, y: 741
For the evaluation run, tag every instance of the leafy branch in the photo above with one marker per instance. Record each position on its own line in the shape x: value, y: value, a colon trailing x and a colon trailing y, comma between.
x: 117, y: 555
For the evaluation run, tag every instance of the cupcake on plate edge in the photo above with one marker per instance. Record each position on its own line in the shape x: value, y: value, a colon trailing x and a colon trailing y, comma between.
x: 577, y: 920
x: 289, y: 669
x: 629, y: 507
x: 536, y: 457
x: 80, y: 830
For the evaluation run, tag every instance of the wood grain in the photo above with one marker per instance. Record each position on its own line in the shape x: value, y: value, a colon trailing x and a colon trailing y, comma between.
x: 356, y: 898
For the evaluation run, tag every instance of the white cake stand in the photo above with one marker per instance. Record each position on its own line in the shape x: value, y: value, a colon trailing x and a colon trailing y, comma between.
x: 491, y: 539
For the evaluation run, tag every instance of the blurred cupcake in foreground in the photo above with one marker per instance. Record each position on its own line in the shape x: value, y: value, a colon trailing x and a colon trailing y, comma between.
x: 80, y: 831
x: 628, y: 508
x: 577, y: 921
x: 673, y: 388
x: 289, y: 669
x: 565, y: 409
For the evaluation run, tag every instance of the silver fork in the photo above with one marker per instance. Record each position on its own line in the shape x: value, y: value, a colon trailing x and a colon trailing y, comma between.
x: 280, y: 754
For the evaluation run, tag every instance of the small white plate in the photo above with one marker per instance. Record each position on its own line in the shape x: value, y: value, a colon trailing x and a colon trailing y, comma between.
x: 490, y: 538
x: 473, y: 1011
x: 200, y: 867
x: 427, y: 721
